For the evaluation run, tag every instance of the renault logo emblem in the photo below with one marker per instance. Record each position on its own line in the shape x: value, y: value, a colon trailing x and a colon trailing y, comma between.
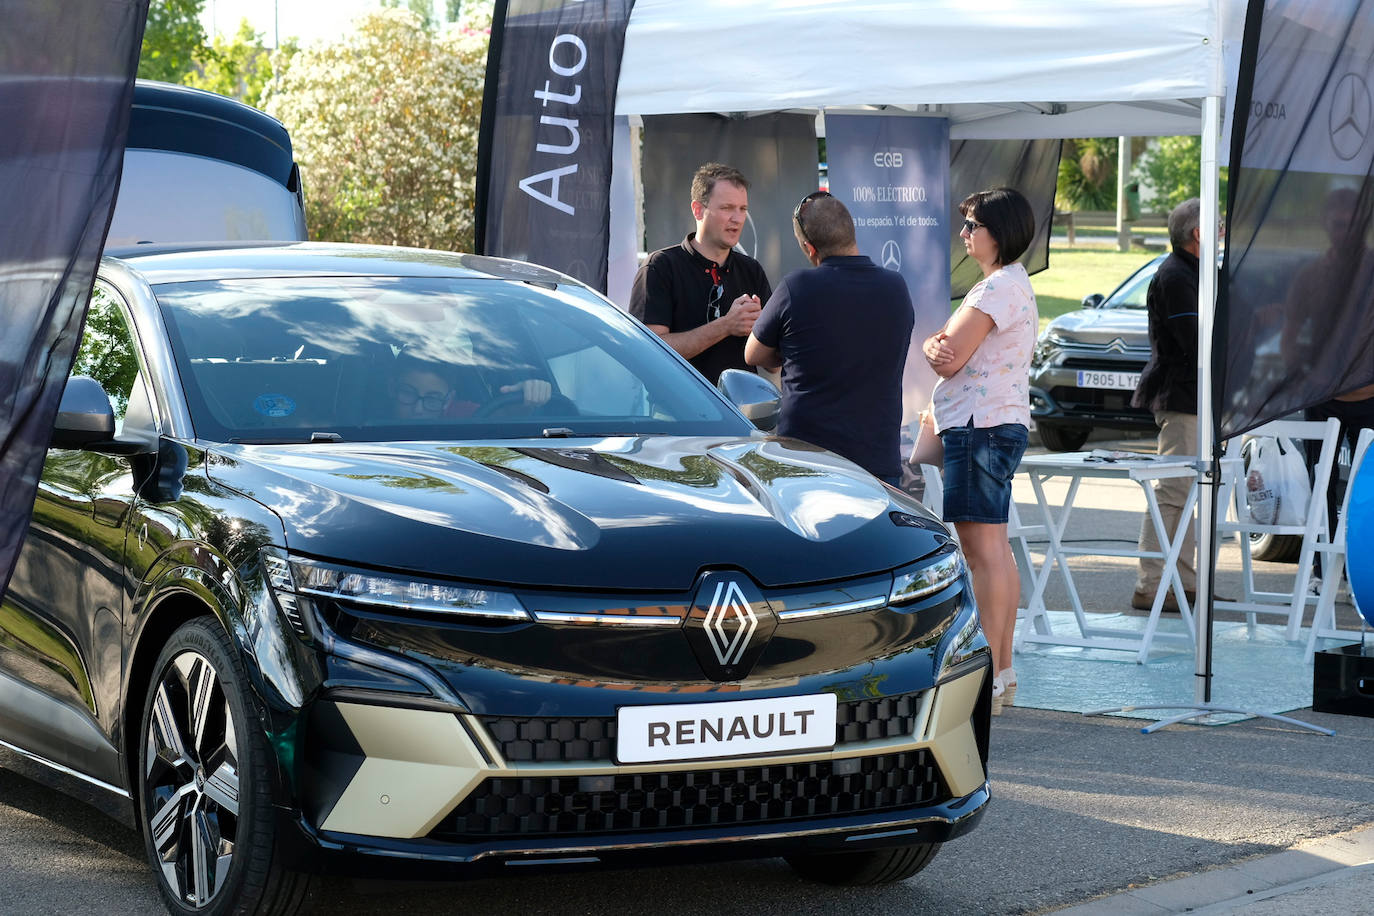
x: 892, y: 255
x: 730, y: 623
x: 1350, y: 116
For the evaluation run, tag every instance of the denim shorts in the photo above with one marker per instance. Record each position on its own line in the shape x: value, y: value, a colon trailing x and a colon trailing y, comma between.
x: 979, y: 464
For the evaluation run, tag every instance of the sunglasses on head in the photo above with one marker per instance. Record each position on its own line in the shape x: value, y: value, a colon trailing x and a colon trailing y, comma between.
x: 801, y: 205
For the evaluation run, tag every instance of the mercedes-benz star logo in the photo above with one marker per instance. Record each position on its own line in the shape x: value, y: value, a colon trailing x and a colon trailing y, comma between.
x: 892, y: 255
x: 1349, y: 117
x: 730, y: 623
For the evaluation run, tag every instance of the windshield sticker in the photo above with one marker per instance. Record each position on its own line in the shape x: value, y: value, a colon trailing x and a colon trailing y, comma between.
x: 274, y: 405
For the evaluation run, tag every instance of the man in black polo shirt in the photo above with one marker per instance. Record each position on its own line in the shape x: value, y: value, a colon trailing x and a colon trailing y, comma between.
x: 701, y: 296
x: 840, y: 332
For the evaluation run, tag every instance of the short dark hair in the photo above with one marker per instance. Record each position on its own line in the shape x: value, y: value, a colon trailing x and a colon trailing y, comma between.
x: 1008, y: 218
x: 704, y: 181
x: 826, y: 224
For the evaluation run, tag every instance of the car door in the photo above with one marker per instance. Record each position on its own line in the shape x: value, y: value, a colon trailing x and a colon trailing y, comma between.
x: 61, y: 619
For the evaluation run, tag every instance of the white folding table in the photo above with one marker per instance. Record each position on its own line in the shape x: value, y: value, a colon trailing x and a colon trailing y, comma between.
x: 1076, y: 467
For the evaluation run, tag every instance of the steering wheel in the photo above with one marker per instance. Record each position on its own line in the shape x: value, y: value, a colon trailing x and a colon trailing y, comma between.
x: 558, y: 405
x: 500, y: 402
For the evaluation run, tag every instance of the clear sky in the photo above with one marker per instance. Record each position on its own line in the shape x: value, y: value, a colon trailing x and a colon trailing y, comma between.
x: 306, y: 20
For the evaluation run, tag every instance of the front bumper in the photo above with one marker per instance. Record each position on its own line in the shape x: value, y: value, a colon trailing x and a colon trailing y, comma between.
x: 432, y: 790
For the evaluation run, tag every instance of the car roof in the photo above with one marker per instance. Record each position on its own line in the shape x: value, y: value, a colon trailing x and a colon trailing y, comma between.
x: 176, y: 263
x: 180, y: 119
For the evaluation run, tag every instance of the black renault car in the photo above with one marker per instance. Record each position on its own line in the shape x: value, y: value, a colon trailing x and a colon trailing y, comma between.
x: 412, y: 563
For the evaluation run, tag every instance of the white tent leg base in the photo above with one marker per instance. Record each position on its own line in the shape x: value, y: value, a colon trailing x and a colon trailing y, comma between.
x: 1198, y: 710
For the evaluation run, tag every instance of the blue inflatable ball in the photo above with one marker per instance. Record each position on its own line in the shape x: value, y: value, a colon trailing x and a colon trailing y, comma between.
x: 1359, y: 536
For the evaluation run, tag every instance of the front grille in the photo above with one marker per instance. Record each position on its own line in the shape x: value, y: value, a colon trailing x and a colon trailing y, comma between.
x: 567, y: 805
x: 1100, y: 399
x: 556, y: 740
x: 1105, y: 364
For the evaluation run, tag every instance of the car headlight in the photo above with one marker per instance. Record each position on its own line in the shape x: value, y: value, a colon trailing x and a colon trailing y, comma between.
x: 294, y: 578
x: 1046, y: 351
x: 964, y: 642
x: 914, y: 583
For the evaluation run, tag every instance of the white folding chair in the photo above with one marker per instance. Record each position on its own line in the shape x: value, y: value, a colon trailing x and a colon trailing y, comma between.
x: 1333, y: 561
x: 1313, y: 530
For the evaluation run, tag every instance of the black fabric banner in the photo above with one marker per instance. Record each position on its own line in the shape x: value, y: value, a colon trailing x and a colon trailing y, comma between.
x: 66, y: 80
x: 1295, y: 314
x: 1029, y: 166
x: 776, y: 152
x: 544, y: 153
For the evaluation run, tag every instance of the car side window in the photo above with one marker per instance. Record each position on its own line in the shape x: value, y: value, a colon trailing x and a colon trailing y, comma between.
x: 108, y: 353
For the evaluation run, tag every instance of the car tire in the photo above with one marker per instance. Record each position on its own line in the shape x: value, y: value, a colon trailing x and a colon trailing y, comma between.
x: 856, y: 869
x: 204, y: 784
x: 1058, y: 438
x: 1275, y: 548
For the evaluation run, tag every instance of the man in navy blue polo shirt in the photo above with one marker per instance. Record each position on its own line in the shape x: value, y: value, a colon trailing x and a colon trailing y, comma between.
x: 840, y: 332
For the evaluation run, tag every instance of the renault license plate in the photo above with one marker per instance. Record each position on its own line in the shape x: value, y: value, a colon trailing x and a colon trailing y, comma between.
x: 694, y: 731
x: 1093, y: 378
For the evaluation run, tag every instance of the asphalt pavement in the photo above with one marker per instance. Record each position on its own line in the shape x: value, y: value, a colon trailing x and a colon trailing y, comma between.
x: 1088, y: 816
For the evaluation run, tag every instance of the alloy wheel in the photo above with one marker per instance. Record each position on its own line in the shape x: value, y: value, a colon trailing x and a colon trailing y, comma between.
x: 191, y: 779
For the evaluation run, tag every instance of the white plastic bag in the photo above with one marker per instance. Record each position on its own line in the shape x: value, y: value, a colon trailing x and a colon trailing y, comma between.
x: 1277, y: 488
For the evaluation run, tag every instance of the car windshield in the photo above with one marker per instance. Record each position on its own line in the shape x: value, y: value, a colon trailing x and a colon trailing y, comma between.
x: 1131, y: 294
x: 404, y: 358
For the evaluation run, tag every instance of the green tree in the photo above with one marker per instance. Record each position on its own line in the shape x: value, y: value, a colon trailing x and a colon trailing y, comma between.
x: 384, y: 124
x: 423, y: 10
x: 1087, y: 174
x: 240, y: 67
x: 172, y: 40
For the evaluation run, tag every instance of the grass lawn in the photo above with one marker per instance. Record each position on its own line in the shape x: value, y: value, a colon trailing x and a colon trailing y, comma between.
x: 1076, y: 272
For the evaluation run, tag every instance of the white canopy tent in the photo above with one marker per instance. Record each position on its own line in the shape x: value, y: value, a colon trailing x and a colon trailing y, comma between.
x: 1001, y: 69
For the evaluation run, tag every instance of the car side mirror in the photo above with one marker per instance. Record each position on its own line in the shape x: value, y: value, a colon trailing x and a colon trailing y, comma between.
x: 754, y: 395
x: 85, y: 416
x: 1093, y: 301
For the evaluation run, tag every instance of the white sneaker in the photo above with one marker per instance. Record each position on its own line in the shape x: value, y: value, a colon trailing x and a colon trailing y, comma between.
x: 1314, y: 586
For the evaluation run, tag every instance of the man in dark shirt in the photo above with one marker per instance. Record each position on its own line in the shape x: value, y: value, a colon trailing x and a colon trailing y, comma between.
x: 1168, y: 387
x: 840, y: 332
x: 701, y: 296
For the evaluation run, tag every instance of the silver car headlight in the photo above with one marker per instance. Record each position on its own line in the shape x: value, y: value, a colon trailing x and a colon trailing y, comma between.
x: 916, y: 582
x: 295, y: 578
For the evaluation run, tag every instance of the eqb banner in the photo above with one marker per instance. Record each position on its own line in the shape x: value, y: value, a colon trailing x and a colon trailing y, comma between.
x: 893, y: 175
x: 544, y: 152
x: 66, y: 82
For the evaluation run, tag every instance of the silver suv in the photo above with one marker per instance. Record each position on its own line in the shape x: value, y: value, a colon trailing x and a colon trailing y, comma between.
x: 1086, y: 365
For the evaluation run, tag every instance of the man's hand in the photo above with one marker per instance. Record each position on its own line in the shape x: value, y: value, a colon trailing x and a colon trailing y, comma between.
x: 936, y: 350
x: 537, y: 391
x: 744, y: 311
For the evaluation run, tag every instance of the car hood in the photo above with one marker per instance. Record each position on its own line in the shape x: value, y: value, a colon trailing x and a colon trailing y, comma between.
x: 624, y: 512
x: 1099, y: 327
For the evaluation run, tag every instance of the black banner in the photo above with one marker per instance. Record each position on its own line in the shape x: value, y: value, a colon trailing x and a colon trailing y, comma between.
x: 1029, y: 166
x: 1295, y: 316
x: 66, y: 80
x: 544, y: 153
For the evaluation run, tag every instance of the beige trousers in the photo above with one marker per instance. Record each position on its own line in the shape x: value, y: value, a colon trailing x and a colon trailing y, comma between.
x: 1177, y: 436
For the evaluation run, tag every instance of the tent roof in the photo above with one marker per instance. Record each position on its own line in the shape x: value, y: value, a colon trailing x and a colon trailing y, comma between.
x: 997, y: 69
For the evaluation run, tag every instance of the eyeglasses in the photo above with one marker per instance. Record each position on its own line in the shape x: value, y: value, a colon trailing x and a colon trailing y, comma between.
x: 408, y: 395
x: 801, y: 205
x: 971, y: 227
x: 713, y: 302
